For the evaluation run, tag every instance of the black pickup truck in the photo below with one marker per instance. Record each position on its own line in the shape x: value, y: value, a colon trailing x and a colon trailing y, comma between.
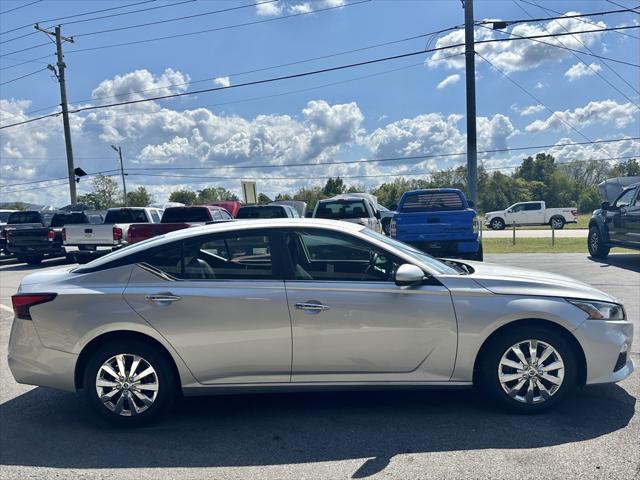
x: 616, y: 224
x: 31, y: 236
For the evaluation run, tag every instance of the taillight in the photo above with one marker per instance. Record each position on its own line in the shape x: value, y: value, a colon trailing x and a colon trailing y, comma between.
x: 22, y: 302
x: 117, y: 233
x: 392, y: 228
x: 574, y: 213
x: 64, y: 235
x: 51, y: 235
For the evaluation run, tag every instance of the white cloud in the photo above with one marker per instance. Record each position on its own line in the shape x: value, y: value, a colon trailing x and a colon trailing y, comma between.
x: 222, y: 81
x: 520, y: 55
x: 450, y: 80
x: 295, y: 7
x: 582, y: 70
x: 600, y: 112
x: 122, y: 87
x: 530, y: 110
x: 539, y: 85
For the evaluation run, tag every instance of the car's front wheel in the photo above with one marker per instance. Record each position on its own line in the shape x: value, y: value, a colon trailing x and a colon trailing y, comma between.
x: 528, y: 369
x: 129, y: 383
x: 497, y: 224
x: 597, y: 247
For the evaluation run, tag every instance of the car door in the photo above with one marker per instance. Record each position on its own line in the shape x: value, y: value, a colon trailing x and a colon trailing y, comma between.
x: 220, y: 300
x: 517, y: 214
x: 630, y: 219
x: 352, y: 323
x: 623, y: 217
x: 533, y: 213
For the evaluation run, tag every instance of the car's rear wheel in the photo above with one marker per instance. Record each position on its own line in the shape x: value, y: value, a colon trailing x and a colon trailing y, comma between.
x: 557, y: 223
x: 129, y: 383
x: 528, y: 370
x: 597, y: 247
x: 497, y: 224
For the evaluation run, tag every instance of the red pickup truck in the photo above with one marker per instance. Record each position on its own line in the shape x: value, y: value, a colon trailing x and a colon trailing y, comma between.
x: 177, y: 218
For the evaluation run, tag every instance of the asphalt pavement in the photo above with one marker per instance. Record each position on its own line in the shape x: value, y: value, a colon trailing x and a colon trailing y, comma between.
x: 391, y: 434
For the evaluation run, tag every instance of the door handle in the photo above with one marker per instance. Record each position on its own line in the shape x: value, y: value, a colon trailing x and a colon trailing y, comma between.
x: 163, y: 297
x: 311, y: 307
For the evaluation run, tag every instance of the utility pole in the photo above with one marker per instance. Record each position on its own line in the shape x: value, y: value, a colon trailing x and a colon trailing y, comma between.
x: 59, y: 73
x: 470, y: 62
x: 124, y: 185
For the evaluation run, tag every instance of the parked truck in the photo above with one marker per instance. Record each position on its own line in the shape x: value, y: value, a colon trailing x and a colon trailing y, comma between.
x: 531, y: 213
x: 113, y: 232
x: 438, y: 221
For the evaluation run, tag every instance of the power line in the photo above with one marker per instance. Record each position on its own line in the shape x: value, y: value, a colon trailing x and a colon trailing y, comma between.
x: 593, y: 53
x: 78, y: 15
x: 26, y: 49
x: 564, y: 47
x: 306, y: 74
x: 186, y: 17
x: 23, y: 76
x: 582, y: 20
x: 18, y: 8
x: 54, y: 179
x: 620, y: 5
x: 24, y: 62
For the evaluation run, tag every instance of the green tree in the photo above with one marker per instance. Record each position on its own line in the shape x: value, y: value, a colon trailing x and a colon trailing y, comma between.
x: 334, y: 186
x: 589, y: 200
x: 105, y: 194
x: 139, y: 197
x: 630, y: 168
x: 263, y: 199
x: 283, y: 196
x: 309, y: 195
x: 215, y: 194
x: 539, y: 169
x: 183, y: 196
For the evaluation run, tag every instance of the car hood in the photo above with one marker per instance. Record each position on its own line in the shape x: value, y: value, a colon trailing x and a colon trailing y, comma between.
x: 497, y: 212
x: 519, y: 281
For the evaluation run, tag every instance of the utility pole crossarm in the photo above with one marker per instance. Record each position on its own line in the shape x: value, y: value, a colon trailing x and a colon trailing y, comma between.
x: 63, y: 104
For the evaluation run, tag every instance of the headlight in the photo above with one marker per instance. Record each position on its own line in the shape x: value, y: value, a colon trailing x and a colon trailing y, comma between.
x: 600, y: 310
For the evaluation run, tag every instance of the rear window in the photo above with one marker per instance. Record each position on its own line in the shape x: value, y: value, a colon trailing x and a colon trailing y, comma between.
x: 261, y: 212
x: 432, y: 202
x: 60, y: 220
x: 25, y: 217
x: 186, y: 214
x: 126, y: 215
x: 4, y: 216
x: 339, y: 209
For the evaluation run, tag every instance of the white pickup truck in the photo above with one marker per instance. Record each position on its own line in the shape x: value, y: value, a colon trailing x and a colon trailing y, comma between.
x: 113, y: 232
x: 531, y: 213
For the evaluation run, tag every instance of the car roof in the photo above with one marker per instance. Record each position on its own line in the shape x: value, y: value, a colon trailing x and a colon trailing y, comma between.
x: 434, y: 190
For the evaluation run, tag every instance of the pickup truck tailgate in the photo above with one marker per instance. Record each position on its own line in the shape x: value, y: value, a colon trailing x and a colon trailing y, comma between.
x: 28, y: 236
x: 88, y: 234
x: 425, y: 226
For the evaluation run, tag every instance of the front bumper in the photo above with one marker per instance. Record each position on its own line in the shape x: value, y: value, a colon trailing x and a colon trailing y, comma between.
x: 602, y: 343
x: 32, y: 363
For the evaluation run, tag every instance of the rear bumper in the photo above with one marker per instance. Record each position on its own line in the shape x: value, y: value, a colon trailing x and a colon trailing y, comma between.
x: 32, y: 363
x: 602, y: 343
x: 47, y: 249
x: 447, y: 247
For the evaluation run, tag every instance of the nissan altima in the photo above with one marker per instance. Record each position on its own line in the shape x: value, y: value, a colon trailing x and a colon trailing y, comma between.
x: 302, y: 304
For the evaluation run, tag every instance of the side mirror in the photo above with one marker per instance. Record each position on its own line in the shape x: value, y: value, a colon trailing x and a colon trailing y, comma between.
x: 408, y: 274
x: 471, y: 203
x: 605, y: 206
x: 393, y: 207
x: 377, y: 214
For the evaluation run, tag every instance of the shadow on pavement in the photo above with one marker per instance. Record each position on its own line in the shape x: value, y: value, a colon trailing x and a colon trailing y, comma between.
x: 628, y: 261
x: 14, y: 266
x: 47, y: 428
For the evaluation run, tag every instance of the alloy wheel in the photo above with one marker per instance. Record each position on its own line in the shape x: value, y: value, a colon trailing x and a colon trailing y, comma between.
x: 557, y: 223
x: 531, y: 371
x: 594, y: 241
x: 127, y: 384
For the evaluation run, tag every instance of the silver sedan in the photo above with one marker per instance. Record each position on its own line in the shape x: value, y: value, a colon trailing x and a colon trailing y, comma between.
x: 298, y: 304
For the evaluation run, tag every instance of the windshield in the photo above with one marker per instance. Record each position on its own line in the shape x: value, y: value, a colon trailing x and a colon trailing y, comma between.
x: 432, y: 202
x: 420, y: 256
x: 186, y: 214
x: 126, y: 215
x: 340, y: 209
x: 262, y: 212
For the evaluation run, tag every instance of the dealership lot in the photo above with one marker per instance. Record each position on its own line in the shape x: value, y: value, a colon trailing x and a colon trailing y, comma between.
x: 406, y: 434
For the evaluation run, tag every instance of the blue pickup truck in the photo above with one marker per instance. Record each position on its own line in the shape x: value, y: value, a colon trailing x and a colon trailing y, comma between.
x: 438, y: 221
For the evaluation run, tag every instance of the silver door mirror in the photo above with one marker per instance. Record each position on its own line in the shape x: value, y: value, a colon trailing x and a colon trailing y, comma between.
x: 408, y: 274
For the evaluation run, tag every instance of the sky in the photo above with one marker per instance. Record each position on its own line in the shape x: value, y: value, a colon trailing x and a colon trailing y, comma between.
x: 529, y: 94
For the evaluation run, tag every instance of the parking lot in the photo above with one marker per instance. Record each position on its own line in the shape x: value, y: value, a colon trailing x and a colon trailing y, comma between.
x: 394, y: 434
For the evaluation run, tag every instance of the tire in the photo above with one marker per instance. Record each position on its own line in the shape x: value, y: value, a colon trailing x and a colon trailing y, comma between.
x: 557, y: 223
x: 478, y: 256
x: 32, y: 259
x: 596, y: 244
x: 159, y: 398
x: 386, y: 223
x: 497, y: 224
x: 500, y: 350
